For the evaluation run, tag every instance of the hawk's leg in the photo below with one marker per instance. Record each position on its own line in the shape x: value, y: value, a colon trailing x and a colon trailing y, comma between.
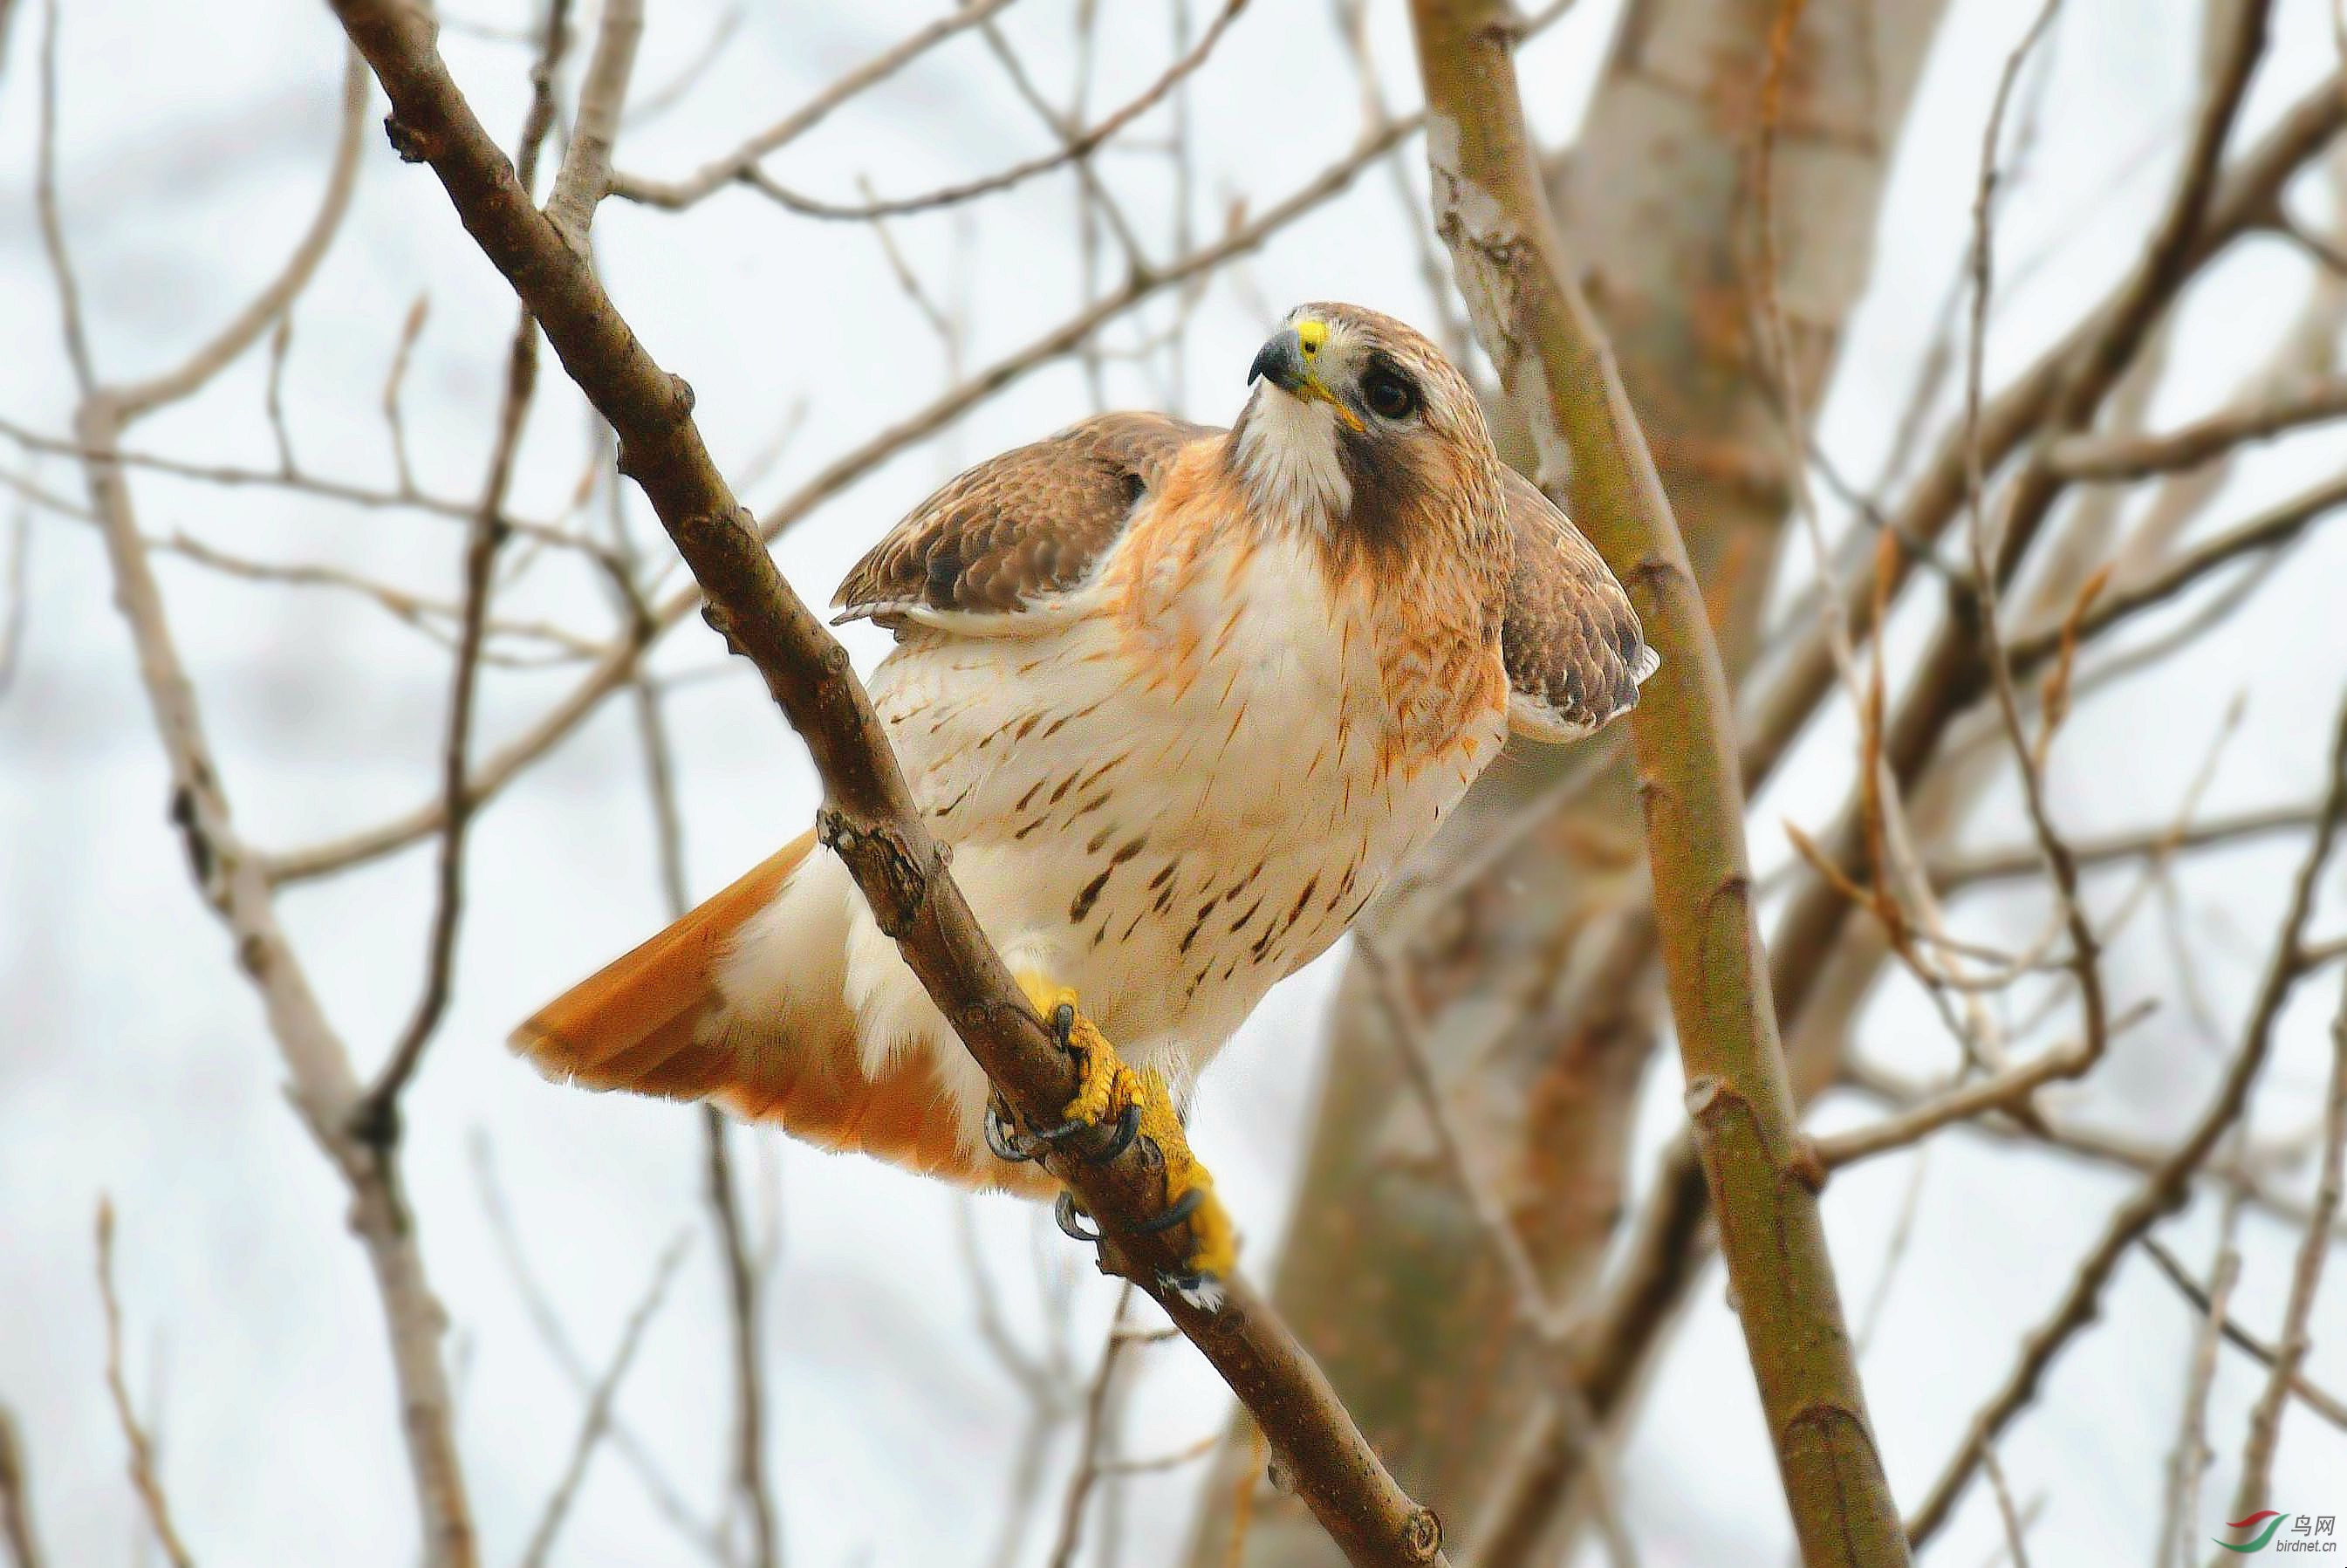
x: 1114, y: 1103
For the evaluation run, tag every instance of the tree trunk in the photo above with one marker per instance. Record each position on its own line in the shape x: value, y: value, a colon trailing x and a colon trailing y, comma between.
x: 1512, y: 935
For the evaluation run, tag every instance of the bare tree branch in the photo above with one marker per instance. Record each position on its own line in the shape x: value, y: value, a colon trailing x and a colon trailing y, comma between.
x: 233, y: 880
x: 634, y: 1451
x: 2306, y: 1280
x: 1089, y: 1438
x: 2088, y: 457
x: 2205, y: 1299
x: 150, y: 1485
x: 375, y: 1119
x: 15, y: 1471
x: 599, y: 1407
x: 1554, y: 364
x: 2119, y: 849
x: 735, y: 166
x: 2190, y: 1459
x: 586, y: 176
x: 232, y: 340
x: 2165, y: 1185
x: 748, y: 1376
x: 1074, y: 146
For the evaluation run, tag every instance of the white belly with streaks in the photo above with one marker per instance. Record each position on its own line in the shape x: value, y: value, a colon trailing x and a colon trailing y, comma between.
x: 1168, y: 847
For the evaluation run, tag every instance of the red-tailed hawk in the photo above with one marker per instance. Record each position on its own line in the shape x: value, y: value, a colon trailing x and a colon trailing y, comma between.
x: 1181, y: 699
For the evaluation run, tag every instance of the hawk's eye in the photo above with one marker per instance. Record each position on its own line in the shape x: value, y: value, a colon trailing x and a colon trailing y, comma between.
x: 1389, y: 396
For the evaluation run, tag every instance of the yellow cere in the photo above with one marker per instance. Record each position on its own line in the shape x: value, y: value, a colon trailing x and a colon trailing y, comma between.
x: 1311, y: 336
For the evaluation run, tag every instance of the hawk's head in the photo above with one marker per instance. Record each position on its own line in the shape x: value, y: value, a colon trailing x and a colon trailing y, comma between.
x: 1359, y: 428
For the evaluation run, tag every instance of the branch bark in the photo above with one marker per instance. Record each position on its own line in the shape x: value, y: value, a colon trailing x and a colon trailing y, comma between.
x: 868, y: 815
x: 234, y: 880
x: 1558, y: 370
x: 15, y: 1480
x: 1524, y: 934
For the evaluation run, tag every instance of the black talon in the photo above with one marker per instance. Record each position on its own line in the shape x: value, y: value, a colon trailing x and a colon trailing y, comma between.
x: 1064, y: 1213
x: 1179, y: 1209
x: 1063, y: 1026
x: 1128, y: 1127
x: 1005, y: 1139
x: 1120, y: 1137
x: 1063, y: 1132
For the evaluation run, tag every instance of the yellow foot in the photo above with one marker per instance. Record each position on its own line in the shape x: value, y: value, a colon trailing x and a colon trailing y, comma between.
x: 1105, y: 1090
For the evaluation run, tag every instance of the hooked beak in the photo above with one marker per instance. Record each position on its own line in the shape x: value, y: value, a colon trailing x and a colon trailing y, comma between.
x: 1286, y: 362
x: 1282, y: 360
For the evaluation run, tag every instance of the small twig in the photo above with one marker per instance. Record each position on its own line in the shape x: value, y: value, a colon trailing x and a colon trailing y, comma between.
x: 2320, y: 249
x: 720, y: 173
x: 150, y: 1486
x: 2139, y: 456
x: 2277, y: 525
x: 599, y: 1407
x: 2006, y: 1510
x: 1074, y: 146
x: 2206, y: 1300
x: 281, y: 344
x: 653, y: 105
x: 750, y: 1485
x: 2191, y: 1455
x: 1096, y: 192
x: 1894, y: 1252
x: 375, y: 498
x: 559, y: 1346
x: 2306, y: 1280
x: 586, y: 175
x: 374, y: 1120
x: 2160, y: 1189
x: 15, y: 1473
x: 1189, y: 1453
x: 410, y: 329
x: 2120, y: 848
x: 13, y: 608
x: 199, y: 368
x: 2009, y: 1091
x: 1087, y: 1445
x: 436, y: 619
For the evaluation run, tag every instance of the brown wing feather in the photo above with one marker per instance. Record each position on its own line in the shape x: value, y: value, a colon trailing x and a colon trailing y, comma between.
x: 1575, y: 650
x: 1018, y: 527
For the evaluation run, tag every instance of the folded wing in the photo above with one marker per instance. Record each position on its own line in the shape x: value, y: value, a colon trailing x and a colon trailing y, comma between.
x: 993, y: 550
x: 1575, y: 650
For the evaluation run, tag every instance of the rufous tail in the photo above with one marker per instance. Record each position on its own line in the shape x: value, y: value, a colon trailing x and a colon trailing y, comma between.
x: 654, y: 1022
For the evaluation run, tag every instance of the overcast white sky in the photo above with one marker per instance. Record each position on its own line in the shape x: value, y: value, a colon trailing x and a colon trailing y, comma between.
x: 133, y: 1060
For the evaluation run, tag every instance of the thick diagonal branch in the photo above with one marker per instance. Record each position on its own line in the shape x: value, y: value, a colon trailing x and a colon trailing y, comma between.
x: 1557, y: 368
x: 868, y: 815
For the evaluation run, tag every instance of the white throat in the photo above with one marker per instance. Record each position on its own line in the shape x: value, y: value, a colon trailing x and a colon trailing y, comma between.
x: 1287, y: 460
